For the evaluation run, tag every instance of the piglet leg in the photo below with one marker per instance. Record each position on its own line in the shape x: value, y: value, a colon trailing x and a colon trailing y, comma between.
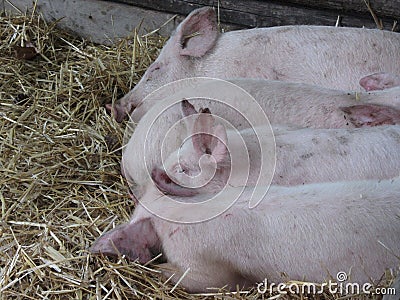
x: 201, y: 277
x: 372, y: 115
x: 134, y: 240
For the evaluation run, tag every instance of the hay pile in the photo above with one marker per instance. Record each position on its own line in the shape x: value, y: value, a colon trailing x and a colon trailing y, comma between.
x: 60, y: 151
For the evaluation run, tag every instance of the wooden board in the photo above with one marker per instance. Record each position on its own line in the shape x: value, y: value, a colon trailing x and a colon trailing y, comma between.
x: 261, y: 13
x: 382, y: 8
x: 106, y: 21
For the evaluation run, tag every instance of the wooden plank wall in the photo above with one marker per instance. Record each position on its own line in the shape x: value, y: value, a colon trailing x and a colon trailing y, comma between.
x: 261, y: 13
x: 104, y: 21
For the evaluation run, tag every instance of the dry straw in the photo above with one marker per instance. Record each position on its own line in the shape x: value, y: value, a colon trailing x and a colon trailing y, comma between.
x: 60, y: 184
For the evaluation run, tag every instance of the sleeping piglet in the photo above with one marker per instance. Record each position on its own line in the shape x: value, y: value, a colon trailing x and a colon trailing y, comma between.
x: 308, y: 232
x: 213, y: 157
x: 276, y: 101
x: 319, y: 55
x: 283, y: 102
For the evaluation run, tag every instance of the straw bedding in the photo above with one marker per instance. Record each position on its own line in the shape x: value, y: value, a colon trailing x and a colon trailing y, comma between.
x: 61, y: 185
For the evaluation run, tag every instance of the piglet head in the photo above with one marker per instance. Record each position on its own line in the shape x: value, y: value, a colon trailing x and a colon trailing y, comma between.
x: 196, y: 166
x: 194, y: 37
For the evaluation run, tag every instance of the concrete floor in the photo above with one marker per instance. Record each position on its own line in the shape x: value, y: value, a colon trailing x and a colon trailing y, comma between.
x: 96, y: 20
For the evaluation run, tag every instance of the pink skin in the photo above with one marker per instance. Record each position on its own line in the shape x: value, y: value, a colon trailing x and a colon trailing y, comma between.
x: 305, y: 54
x: 303, y: 155
x: 372, y: 115
x: 332, y: 227
x: 379, y: 81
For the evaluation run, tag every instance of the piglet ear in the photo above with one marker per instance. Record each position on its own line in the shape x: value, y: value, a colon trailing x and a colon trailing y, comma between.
x: 202, y: 132
x: 197, y: 33
x: 219, y: 143
x: 379, y: 81
x: 372, y: 115
x: 134, y: 240
x: 207, y: 138
x: 187, y: 109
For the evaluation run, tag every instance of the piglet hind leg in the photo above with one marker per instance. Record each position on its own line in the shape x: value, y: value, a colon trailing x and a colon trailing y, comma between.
x: 372, y: 115
x: 134, y: 240
x: 203, y: 278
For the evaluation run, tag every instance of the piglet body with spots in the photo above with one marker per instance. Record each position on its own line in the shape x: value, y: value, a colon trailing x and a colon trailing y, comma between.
x: 303, y: 155
x: 350, y: 227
